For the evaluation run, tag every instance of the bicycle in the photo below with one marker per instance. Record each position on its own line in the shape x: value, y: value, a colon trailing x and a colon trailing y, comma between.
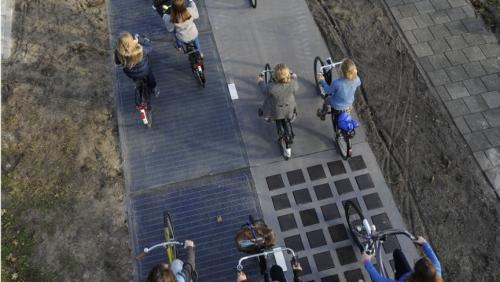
x: 366, y: 237
x: 283, y: 126
x: 195, y: 61
x: 342, y: 136
x: 143, y: 101
x: 162, y: 7
x: 253, y: 3
x: 170, y: 244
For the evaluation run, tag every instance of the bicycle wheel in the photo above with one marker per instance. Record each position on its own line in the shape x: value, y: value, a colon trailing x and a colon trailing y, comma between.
x: 149, y: 116
x: 343, y: 144
x: 355, y: 222
x: 318, y: 63
x: 267, y: 73
x: 168, y: 232
x: 253, y: 3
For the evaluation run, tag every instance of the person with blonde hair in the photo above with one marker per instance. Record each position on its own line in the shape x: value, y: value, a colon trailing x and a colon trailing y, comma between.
x: 177, y: 272
x: 181, y: 23
x: 426, y: 269
x: 132, y: 52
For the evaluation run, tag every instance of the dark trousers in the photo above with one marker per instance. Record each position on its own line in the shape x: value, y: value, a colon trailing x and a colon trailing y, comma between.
x: 400, y: 263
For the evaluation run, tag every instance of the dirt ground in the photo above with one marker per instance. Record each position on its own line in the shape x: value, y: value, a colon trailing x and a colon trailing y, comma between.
x: 63, y: 212
x: 440, y: 190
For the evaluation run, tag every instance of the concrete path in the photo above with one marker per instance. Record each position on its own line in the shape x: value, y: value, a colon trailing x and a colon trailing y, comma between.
x: 462, y: 61
x: 6, y: 14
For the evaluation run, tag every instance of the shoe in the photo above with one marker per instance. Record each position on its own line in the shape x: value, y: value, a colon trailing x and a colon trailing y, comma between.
x: 156, y: 92
x: 320, y: 114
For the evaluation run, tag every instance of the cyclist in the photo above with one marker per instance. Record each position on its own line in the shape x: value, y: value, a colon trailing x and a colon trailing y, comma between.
x: 181, y: 23
x: 132, y: 52
x: 279, y: 103
x: 426, y: 269
x: 341, y: 91
x: 179, y: 271
x: 277, y: 274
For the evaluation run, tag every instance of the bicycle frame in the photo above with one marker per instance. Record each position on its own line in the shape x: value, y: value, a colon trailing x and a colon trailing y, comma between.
x: 239, y: 267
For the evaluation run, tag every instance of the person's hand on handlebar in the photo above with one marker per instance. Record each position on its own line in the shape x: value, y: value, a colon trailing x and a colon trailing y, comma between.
x: 260, y: 78
x: 320, y: 77
x: 188, y: 243
x: 241, y: 277
x: 293, y: 75
x: 366, y: 257
x: 420, y: 240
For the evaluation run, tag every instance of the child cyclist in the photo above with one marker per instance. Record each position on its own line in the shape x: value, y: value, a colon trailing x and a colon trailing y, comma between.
x: 177, y: 272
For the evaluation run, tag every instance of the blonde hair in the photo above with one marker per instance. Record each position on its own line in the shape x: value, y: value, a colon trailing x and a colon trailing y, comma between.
x: 128, y: 50
x: 348, y: 69
x: 180, y: 13
x: 281, y: 73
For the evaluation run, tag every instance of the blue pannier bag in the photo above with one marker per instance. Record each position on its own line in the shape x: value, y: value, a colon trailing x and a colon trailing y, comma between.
x: 346, y: 122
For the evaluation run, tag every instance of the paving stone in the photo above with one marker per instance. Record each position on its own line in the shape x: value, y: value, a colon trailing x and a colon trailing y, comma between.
x: 474, y: 69
x: 287, y: 222
x: 316, y: 238
x: 323, y: 191
x: 456, y: 27
x: 469, y: 11
x: 330, y: 211
x: 274, y: 182
x: 440, y: 17
x: 391, y: 244
x: 372, y: 201
x: 407, y: 24
x: 456, y: 57
x: 474, y: 25
x: 355, y: 201
x: 295, y: 177
x: 483, y: 160
x: 476, y: 121
x: 439, y: 77
x: 346, y: 255
x: 396, y: 13
x: 306, y: 267
x: 408, y: 10
x: 423, y: 34
x: 493, y: 117
x: 323, y: 261
x: 474, y: 86
x: 302, y: 196
x: 391, y: 3
x: 492, y: 82
x: 422, y: 49
x: 424, y: 7
x: 338, y: 233
x: 457, y: 107
x: 456, y: 14
x: 410, y: 37
x: 474, y: 53
x: 343, y: 186
x: 490, y: 50
x: 336, y: 168
x: 474, y: 39
x: 456, y: 42
x: 476, y: 103
x: 364, y: 181
x: 457, y: 3
x: 443, y: 93
x: 493, y: 136
x: 491, y: 65
x: 457, y: 73
x: 490, y: 38
x: 456, y: 90
x: 493, y: 155
x: 494, y: 177
x: 280, y: 201
x: 477, y: 141
x: 439, y: 31
x: 423, y: 20
x: 381, y: 222
x: 316, y: 172
x: 426, y: 64
x: 331, y: 278
x: 309, y: 217
x: 462, y: 125
x: 357, y: 163
x: 354, y: 275
x: 440, y: 4
x: 294, y: 243
x: 492, y: 99
x: 439, y: 46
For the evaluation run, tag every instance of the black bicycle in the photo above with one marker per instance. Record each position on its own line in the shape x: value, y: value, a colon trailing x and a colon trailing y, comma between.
x: 366, y: 237
x: 143, y: 101
x: 196, y: 62
x: 253, y: 3
x: 283, y: 126
x: 342, y: 136
x: 162, y: 7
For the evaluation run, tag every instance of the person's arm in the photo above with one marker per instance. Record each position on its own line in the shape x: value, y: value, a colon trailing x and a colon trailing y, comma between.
x: 193, y: 10
x: 117, y: 60
x: 327, y: 88
x: 294, y: 82
x: 189, y: 265
x: 297, y: 269
x: 241, y: 277
x: 262, y: 85
x: 429, y: 253
x: 376, y: 277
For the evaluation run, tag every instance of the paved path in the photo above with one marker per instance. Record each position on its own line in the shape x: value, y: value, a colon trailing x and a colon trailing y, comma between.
x: 6, y: 14
x: 462, y: 61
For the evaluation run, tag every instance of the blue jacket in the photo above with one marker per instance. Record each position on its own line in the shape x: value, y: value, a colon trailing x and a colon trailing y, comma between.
x: 342, y: 92
x: 429, y: 253
x: 143, y: 68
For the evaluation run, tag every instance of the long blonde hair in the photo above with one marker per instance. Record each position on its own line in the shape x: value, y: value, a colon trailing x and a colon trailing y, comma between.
x: 129, y: 51
x: 348, y: 69
x: 281, y: 73
x: 180, y: 13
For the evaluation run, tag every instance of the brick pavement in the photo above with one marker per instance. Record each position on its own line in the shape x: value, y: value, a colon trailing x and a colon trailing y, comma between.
x: 462, y: 61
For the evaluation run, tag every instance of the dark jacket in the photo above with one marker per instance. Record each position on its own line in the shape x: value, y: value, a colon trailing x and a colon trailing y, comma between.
x: 188, y: 270
x: 280, y: 99
x: 143, y: 68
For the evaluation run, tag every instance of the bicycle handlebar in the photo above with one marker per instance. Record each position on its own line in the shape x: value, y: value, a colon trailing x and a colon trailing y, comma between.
x: 163, y: 244
x: 330, y: 66
x: 239, y: 267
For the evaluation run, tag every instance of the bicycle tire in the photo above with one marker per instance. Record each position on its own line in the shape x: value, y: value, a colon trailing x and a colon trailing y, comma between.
x: 318, y: 63
x: 169, y: 233
x: 267, y: 73
x: 253, y: 3
x: 343, y: 144
x: 149, y: 116
x: 355, y: 219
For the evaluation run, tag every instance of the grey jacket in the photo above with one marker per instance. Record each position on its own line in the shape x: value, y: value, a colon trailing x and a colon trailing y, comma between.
x: 280, y: 99
x: 185, y: 31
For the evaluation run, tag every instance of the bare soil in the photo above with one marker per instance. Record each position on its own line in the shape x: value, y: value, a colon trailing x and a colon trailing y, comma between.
x: 63, y: 212
x: 436, y: 183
